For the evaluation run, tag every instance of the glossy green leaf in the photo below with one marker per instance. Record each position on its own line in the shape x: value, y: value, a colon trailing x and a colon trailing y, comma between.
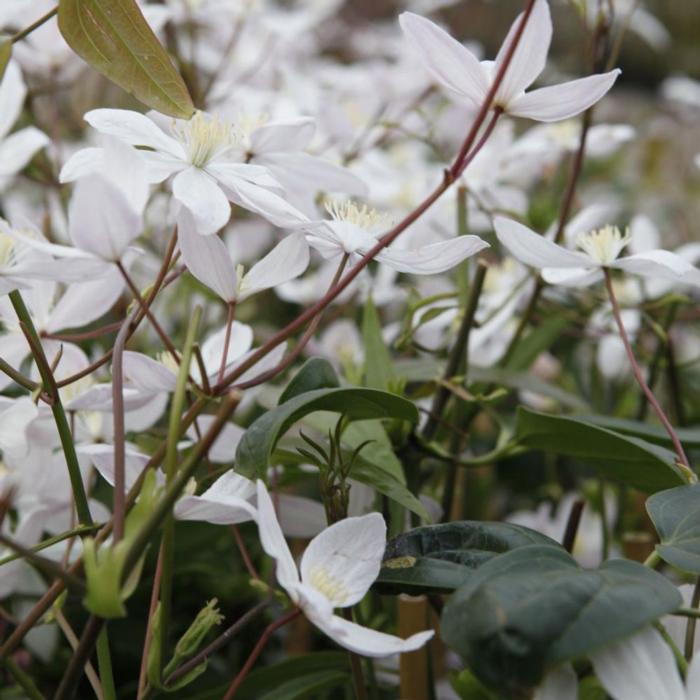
x: 315, y: 373
x: 628, y: 459
x: 690, y: 437
x: 255, y: 448
x: 676, y: 517
x: 443, y: 557
x: 379, y: 372
x: 534, y: 607
x: 115, y: 39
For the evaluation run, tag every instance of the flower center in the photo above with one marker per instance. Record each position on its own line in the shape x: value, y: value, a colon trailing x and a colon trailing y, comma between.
x: 327, y: 584
x: 363, y: 216
x: 605, y: 244
x: 205, y: 138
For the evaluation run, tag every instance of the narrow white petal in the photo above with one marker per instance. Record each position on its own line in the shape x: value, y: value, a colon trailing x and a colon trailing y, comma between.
x: 273, y: 542
x: 343, y: 561
x: 287, y: 260
x: 530, y: 55
x: 224, y: 447
x: 102, y: 457
x: 272, y: 359
x: 225, y: 502
x: 434, y: 258
x: 18, y: 148
x: 661, y: 264
x: 557, y: 102
x: 692, y: 681
x: 199, y: 193
x: 12, y: 94
x: 366, y: 641
x: 207, y: 258
x: 135, y: 129
x: 572, y: 276
x: 532, y: 249
x: 450, y: 63
x: 560, y: 683
x: 292, y: 135
x: 147, y: 374
x: 213, y: 347
x: 301, y: 517
x: 14, y: 422
x: 640, y: 667
x: 83, y: 162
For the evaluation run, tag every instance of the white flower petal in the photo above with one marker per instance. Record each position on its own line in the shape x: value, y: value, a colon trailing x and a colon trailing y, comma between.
x: 147, y: 374
x: 291, y: 135
x: 450, y: 63
x: 661, y: 264
x: 287, y: 260
x: 692, y: 680
x: 225, y: 502
x: 560, y: 683
x: 530, y: 55
x: 556, y: 102
x: 18, y: 148
x: 14, y: 422
x: 273, y: 542
x: 532, y: 249
x: 102, y: 457
x: 199, y: 193
x: 12, y: 94
x: 301, y: 517
x: 640, y: 667
x: 571, y: 276
x: 224, y: 447
x: 434, y: 258
x: 213, y: 347
x: 207, y: 258
x: 135, y: 129
x: 343, y: 561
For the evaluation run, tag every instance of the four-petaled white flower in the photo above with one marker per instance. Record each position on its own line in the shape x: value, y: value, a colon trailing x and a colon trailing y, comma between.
x: 337, y: 569
x: 204, y: 155
x: 455, y: 67
x: 599, y: 249
x: 349, y: 232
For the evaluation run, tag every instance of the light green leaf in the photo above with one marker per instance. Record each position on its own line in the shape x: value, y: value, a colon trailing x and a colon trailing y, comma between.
x: 115, y: 39
x: 379, y: 372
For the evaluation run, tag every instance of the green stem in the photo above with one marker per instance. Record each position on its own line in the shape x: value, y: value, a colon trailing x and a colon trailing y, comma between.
x: 81, y: 501
x: 82, y: 530
x: 18, y: 377
x: 653, y: 560
x: 176, y: 409
x: 680, y: 659
x: 23, y: 679
x: 104, y: 664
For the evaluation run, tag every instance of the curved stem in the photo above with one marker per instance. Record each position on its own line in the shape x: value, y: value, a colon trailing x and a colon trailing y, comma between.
x: 639, y: 376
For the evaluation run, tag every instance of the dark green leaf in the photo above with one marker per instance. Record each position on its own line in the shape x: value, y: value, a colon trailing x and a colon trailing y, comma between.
x: 255, y: 448
x: 379, y: 373
x: 115, y: 39
x: 534, y: 607
x: 536, y: 342
x: 676, y: 517
x: 315, y: 373
x: 443, y: 557
x: 690, y: 437
x: 632, y: 461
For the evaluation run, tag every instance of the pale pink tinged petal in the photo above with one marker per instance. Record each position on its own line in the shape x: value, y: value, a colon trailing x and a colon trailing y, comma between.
x: 241, y: 339
x: 207, y: 258
x: 450, y: 63
x: 272, y: 359
x: 292, y: 135
x: 640, y: 667
x: 264, y: 202
x: 273, y: 542
x: 147, y: 374
x: 99, y: 398
x: 18, y: 148
x: 13, y: 349
x: 85, y: 302
x: 344, y: 560
x: 101, y: 220
x: 287, y: 260
x: 434, y: 258
x: 83, y: 162
x: 366, y: 641
x: 135, y: 129
x: 14, y: 422
x: 102, y: 457
x: 532, y: 249
x: 225, y: 502
x: 12, y: 94
x: 658, y: 263
x: 200, y: 194
x: 303, y: 170
x: 571, y: 276
x: 301, y: 517
x: 560, y: 683
x: 530, y: 55
x: 557, y: 102
x: 140, y: 419
x: 224, y: 447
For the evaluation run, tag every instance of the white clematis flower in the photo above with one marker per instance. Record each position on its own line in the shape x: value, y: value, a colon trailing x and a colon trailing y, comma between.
x: 349, y: 232
x: 642, y: 667
x: 337, y: 569
x: 209, y: 260
x: 600, y: 249
x: 455, y: 67
x: 204, y: 155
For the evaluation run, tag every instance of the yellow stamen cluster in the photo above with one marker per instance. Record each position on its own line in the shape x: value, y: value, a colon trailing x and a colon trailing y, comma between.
x: 205, y: 137
x: 327, y: 584
x: 605, y: 244
x: 363, y: 216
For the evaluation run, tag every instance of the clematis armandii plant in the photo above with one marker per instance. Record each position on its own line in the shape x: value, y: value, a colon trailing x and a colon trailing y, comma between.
x: 455, y: 67
x: 337, y: 569
x: 205, y: 158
